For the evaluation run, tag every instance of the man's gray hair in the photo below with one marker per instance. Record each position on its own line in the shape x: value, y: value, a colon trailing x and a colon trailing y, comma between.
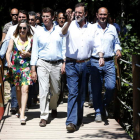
x: 32, y: 13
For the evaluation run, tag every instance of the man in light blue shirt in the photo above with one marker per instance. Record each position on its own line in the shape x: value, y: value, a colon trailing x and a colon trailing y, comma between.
x: 48, y: 53
x: 111, y: 45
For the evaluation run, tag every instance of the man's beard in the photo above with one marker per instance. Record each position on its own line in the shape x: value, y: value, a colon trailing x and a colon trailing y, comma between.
x: 80, y: 19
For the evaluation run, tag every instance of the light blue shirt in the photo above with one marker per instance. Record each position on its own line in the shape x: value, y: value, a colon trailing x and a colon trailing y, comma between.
x: 109, y: 40
x: 48, y: 45
x: 80, y: 42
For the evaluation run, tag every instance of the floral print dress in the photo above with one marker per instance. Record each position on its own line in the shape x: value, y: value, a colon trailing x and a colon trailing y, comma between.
x: 20, y: 74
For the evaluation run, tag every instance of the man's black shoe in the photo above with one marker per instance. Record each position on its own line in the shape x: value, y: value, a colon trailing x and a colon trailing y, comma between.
x: 54, y: 113
x: 105, y: 113
x: 80, y: 123
x: 13, y: 111
x: 42, y: 123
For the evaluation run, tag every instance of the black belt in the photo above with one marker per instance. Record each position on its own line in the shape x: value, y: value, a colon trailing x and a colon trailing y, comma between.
x: 53, y: 62
x: 77, y: 61
x: 105, y: 59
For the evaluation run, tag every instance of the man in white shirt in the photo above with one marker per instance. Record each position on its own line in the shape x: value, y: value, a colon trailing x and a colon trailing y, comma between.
x: 80, y: 41
x: 111, y: 45
x: 32, y: 20
x: 61, y: 19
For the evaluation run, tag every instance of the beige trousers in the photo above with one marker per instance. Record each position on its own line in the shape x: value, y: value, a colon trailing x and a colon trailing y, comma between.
x: 49, y: 76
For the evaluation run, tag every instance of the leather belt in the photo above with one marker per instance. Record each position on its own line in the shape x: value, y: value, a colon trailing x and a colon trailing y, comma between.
x: 52, y: 62
x: 77, y: 61
x: 105, y: 59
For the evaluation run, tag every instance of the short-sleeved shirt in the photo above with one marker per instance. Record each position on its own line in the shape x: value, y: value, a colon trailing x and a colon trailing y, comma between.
x: 7, y: 26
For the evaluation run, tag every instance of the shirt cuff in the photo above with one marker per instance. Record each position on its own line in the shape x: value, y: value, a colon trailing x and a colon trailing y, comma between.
x: 33, y: 63
x: 63, y: 35
x: 100, y: 51
x: 117, y: 47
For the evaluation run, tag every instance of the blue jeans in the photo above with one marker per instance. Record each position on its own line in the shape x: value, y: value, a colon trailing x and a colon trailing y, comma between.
x: 89, y: 80
x: 14, y: 103
x: 107, y: 72
x: 76, y: 74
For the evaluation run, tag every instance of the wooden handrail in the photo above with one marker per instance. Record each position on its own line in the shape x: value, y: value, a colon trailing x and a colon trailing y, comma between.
x: 136, y: 93
x: 1, y: 90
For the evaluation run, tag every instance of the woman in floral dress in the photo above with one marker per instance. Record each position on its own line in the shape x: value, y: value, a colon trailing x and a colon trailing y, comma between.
x: 21, y: 45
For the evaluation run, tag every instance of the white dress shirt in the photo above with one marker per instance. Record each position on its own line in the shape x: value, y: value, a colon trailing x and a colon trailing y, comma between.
x: 38, y: 27
x: 80, y: 42
x: 109, y: 40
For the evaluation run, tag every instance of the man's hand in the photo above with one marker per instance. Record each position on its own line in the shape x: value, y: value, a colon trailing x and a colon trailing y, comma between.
x: 69, y: 20
x: 101, y: 62
x: 34, y: 76
x: 63, y: 68
x: 70, y: 16
x: 118, y: 54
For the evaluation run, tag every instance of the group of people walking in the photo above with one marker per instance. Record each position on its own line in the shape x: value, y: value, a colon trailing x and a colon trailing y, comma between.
x: 46, y: 53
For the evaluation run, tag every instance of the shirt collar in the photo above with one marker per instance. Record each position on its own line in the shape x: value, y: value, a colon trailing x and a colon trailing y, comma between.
x: 36, y: 25
x: 47, y: 30
x: 85, y: 25
x: 101, y: 27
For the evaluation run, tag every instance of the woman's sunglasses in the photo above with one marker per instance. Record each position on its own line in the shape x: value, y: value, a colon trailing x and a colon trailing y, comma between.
x: 24, y: 28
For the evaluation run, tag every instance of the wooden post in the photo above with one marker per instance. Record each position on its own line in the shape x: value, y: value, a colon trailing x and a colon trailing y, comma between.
x: 1, y: 90
x: 136, y: 96
x: 118, y: 87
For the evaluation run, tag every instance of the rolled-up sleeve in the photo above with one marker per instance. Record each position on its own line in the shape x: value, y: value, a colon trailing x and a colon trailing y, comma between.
x: 4, y: 48
x: 64, y: 48
x: 64, y: 35
x: 116, y: 43
x: 34, y: 54
x: 60, y: 33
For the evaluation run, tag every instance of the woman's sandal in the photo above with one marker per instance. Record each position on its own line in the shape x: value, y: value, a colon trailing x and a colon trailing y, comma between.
x: 23, y: 121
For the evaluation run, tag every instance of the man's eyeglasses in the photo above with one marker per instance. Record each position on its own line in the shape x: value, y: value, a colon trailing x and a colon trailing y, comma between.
x: 31, y: 19
x: 21, y: 17
x: 24, y: 28
x: 45, y: 16
x: 14, y: 14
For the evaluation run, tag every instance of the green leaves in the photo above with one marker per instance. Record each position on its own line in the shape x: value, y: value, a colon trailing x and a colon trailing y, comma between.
x: 129, y: 27
x: 130, y: 44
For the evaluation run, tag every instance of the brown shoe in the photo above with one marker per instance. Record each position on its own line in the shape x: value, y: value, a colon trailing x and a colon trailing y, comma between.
x: 71, y: 127
x: 54, y: 113
x: 42, y: 123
